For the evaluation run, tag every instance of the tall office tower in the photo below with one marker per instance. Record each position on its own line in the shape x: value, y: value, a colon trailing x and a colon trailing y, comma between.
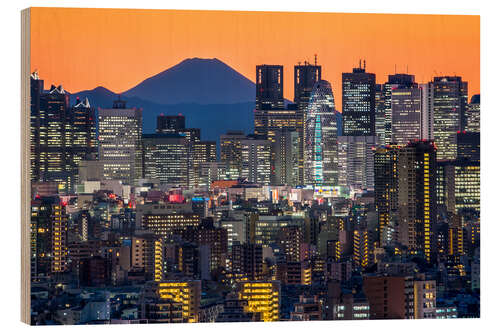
x: 230, y: 152
x: 406, y: 109
x: 36, y: 115
x: 83, y: 134
x: 473, y: 114
x: 358, y: 102
x: 263, y: 298
x: 202, y: 152
x: 170, y: 124
x: 320, y: 137
x: 394, y: 82
x: 120, y: 150
x: 355, y: 160
x: 380, y: 113
x: 427, y: 122
x: 305, y: 76
x: 386, y: 190
x: 469, y: 146
x: 246, y: 260
x: 269, y: 88
x: 285, y: 158
x: 449, y: 103
x: 256, y: 160
x: 460, y: 185
x: 165, y: 158
x: 50, y: 135
x: 185, y: 292
x: 417, y: 202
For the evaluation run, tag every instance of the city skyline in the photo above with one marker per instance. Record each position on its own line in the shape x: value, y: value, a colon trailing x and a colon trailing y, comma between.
x: 423, y: 45
x: 293, y: 212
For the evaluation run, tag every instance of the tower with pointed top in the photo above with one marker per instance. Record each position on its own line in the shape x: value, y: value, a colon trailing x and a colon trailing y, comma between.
x: 83, y: 137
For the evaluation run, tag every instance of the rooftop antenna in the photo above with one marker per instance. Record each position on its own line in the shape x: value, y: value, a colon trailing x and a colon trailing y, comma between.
x: 360, y: 63
x: 315, y: 59
x: 364, y: 64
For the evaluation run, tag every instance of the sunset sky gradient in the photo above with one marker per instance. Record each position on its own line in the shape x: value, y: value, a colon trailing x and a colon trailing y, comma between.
x: 118, y: 48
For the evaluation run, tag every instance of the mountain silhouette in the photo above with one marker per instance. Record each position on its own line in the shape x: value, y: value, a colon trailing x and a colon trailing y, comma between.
x: 213, y: 119
x: 196, y: 80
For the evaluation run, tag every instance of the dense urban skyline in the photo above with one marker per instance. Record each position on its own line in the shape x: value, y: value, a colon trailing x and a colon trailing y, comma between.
x: 313, y: 214
x: 134, y: 45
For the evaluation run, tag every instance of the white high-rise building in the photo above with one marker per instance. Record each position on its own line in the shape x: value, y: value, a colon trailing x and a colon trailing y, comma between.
x: 120, y: 130
x: 355, y: 158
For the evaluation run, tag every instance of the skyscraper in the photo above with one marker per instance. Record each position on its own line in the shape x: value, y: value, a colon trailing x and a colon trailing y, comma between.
x: 50, y: 135
x: 269, y: 88
x: 380, y: 113
x: 305, y: 76
x: 83, y: 134
x: 256, y: 160
x: 166, y: 158
x: 320, y: 144
x: 449, y: 103
x: 230, y: 152
x: 120, y: 130
x: 473, y: 117
x: 285, y: 158
x: 417, y: 202
x: 406, y: 111
x: 202, y: 152
x: 355, y: 161
x: 386, y: 189
x: 358, y: 102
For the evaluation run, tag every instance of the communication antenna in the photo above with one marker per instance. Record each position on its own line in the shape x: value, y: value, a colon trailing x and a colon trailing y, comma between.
x: 364, y: 64
x: 315, y: 59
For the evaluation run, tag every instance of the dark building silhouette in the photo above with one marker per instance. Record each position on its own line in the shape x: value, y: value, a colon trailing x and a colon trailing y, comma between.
x: 170, y: 124
x: 269, y: 87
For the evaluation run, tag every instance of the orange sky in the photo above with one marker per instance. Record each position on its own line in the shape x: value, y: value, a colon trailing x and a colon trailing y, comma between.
x: 117, y: 48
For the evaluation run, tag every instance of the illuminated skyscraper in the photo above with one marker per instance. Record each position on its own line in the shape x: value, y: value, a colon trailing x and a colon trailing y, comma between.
x: 256, y: 160
x: 285, y: 158
x: 305, y: 76
x: 449, y: 103
x: 50, y: 135
x: 269, y: 88
x: 355, y: 160
x: 83, y: 134
x: 358, y: 103
x: 120, y: 150
x: 417, y: 202
x: 394, y: 82
x: 202, y: 152
x: 386, y: 188
x: 473, y: 116
x: 406, y: 109
x: 165, y: 158
x: 379, y: 113
x: 320, y: 146
x: 230, y: 152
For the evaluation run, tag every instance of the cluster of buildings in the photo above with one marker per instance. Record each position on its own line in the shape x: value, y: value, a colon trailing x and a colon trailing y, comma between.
x: 368, y: 213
